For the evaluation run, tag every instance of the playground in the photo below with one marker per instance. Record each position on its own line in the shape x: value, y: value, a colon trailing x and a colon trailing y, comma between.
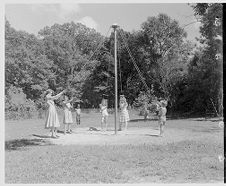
x: 189, y: 152
x: 113, y: 104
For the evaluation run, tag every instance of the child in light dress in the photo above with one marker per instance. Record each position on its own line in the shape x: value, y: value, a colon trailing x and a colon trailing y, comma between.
x: 124, y: 114
x: 146, y: 111
x: 78, y: 114
x: 162, y: 116
x: 67, y: 115
x: 104, y: 112
x: 52, y: 121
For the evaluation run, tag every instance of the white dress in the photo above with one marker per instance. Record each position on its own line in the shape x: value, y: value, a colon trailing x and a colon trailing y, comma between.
x: 124, y: 114
x: 162, y: 114
x: 52, y: 117
x: 67, y: 113
x: 104, y: 111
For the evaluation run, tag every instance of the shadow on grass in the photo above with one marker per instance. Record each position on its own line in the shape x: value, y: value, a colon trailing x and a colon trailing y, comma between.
x: 18, y: 143
x: 144, y: 120
x: 210, y: 130
x: 208, y: 119
x: 152, y: 135
x: 194, y: 117
x: 60, y: 131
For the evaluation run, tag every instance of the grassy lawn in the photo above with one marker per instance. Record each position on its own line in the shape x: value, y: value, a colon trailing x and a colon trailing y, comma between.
x: 188, y: 153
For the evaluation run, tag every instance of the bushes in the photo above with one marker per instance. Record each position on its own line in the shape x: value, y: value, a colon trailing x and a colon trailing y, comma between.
x: 145, y: 104
x: 17, y: 106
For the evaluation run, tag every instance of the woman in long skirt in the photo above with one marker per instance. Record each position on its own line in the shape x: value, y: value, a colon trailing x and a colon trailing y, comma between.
x: 52, y: 121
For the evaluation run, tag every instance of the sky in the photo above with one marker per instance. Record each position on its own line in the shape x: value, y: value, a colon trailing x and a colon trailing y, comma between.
x: 130, y: 16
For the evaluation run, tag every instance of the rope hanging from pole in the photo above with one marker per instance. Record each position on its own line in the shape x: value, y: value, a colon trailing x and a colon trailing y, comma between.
x: 134, y: 63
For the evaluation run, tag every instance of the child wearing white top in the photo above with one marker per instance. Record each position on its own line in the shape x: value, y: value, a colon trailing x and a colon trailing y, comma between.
x: 67, y: 114
x: 162, y: 116
x: 124, y: 114
x: 104, y: 112
x: 78, y: 114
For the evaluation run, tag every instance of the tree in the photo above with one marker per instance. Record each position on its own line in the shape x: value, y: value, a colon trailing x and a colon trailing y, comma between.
x: 70, y: 46
x: 100, y: 82
x: 26, y: 65
x: 173, y: 70
x: 210, y: 62
x: 164, y: 54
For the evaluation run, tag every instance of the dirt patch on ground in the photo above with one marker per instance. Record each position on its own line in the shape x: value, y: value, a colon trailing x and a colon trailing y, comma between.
x: 134, y: 136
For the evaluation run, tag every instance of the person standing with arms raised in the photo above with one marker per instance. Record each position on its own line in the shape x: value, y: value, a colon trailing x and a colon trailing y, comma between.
x: 52, y: 120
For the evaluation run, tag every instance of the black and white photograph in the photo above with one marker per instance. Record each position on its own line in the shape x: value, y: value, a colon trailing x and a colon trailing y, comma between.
x: 113, y: 92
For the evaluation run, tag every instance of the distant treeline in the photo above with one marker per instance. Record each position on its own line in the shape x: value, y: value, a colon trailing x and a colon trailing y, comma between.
x: 188, y: 75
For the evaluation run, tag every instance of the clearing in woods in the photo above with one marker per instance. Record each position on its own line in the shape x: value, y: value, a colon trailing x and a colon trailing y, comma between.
x: 189, y: 152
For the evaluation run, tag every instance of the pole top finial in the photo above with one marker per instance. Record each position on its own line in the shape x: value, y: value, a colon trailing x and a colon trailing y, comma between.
x: 115, y: 25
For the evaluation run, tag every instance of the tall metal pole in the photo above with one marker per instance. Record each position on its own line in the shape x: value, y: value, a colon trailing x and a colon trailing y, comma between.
x: 115, y: 26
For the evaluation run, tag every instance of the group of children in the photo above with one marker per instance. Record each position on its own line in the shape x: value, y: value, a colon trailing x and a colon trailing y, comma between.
x: 52, y: 121
x: 124, y: 114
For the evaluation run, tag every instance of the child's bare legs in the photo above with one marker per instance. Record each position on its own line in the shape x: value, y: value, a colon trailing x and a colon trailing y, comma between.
x: 65, y: 129
x: 145, y: 116
x: 52, y: 131
x: 69, y: 128
x: 162, y: 128
x: 120, y: 126
x: 102, y: 120
x: 55, y: 130
x: 78, y: 120
x: 126, y: 123
x: 106, y: 124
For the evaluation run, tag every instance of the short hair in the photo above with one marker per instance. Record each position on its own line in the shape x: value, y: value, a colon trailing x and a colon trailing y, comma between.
x: 104, y: 102
x: 49, y: 91
x: 163, y: 103
x: 122, y: 98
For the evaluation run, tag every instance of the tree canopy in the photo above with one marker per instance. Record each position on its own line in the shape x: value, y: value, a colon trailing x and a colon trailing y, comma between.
x: 69, y: 56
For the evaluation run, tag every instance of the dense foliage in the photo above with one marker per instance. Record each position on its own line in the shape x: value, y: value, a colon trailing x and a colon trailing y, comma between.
x: 66, y: 57
x: 203, y: 88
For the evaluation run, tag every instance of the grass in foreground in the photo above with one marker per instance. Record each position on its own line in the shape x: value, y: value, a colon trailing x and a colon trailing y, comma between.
x: 186, y: 161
